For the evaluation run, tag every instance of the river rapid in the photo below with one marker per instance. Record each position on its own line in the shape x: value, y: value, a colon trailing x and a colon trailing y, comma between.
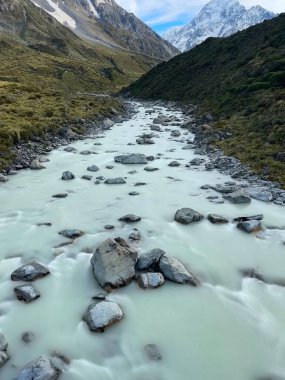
x: 228, y: 328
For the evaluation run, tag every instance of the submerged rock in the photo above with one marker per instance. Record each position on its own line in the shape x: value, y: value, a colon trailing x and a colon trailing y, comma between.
x: 39, y: 369
x: 144, y: 141
x: 114, y: 263
x: 187, y: 216
x: 130, y: 218
x: 217, y: 219
x: 152, y: 352
x: 87, y: 177
x: 30, y: 272
x: 131, y: 159
x: 174, y: 270
x: 67, y: 176
x: 26, y: 293
x: 150, y: 259
x: 150, y: 280
x: 115, y: 181
x: 135, y: 235
x: 250, y: 226
x: 102, y: 315
x: 28, y: 336
x: 71, y: 233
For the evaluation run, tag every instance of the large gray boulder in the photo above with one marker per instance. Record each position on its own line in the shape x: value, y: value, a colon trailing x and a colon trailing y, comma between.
x: 36, y: 165
x: 130, y: 218
x: 260, y: 194
x: 39, y: 369
x: 217, y: 219
x: 238, y: 197
x: 26, y: 293
x: 30, y: 272
x: 150, y: 259
x: 3, y: 178
x: 67, y: 176
x: 249, y: 226
x: 187, y: 216
x: 102, y: 315
x: 114, y: 263
x: 174, y: 270
x: 131, y: 159
x: 115, y: 181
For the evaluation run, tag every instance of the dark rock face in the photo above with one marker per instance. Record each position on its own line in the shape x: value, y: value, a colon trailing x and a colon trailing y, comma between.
x: 249, y: 226
x: 174, y: 270
x: 39, y: 369
x: 130, y: 218
x: 152, y: 352
x: 102, y: 315
x: 187, y: 216
x: 114, y: 263
x: 131, y: 159
x: 26, y: 293
x: 71, y: 233
x: 217, y: 219
x: 238, y: 197
x: 30, y: 272
x: 150, y: 259
x: 115, y: 181
x: 150, y: 280
x: 67, y: 176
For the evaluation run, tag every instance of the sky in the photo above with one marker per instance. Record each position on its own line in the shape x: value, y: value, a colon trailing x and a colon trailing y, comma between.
x: 163, y: 14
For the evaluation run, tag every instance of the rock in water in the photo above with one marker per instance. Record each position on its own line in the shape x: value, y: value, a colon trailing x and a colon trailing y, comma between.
x: 175, y: 271
x: 3, y: 178
x: 130, y: 218
x: 26, y: 293
x: 93, y: 168
x: 174, y: 164
x: 115, y: 181
x: 114, y: 263
x: 150, y: 259
x: 131, y: 159
x: 3, y: 358
x: 102, y: 315
x: 150, y: 280
x: 30, y: 272
x: 3, y: 343
x: 152, y: 352
x: 71, y: 233
x: 249, y: 226
x: 238, y: 197
x: 39, y: 369
x: 217, y: 219
x: 67, y: 176
x: 187, y: 216
x: 36, y: 165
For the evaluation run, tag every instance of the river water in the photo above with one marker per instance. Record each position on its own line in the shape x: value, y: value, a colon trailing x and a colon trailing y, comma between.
x: 229, y: 328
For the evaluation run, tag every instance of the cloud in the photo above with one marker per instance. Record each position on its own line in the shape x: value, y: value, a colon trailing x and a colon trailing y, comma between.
x: 158, y: 12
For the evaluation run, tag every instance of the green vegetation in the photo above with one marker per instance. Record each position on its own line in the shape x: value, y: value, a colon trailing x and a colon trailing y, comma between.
x: 49, y: 75
x: 241, y: 80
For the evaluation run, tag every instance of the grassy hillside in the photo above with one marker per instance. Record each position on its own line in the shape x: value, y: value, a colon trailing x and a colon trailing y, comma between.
x: 47, y: 74
x: 241, y: 80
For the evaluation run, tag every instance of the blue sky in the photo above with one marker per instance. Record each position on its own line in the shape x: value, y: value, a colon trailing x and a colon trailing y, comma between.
x: 162, y: 14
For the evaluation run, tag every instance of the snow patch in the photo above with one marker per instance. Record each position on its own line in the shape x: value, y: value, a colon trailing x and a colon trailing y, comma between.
x: 59, y: 14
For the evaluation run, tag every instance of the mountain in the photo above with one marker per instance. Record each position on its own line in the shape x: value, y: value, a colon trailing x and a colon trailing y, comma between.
x: 218, y: 18
x: 105, y: 22
x: 49, y: 75
x: 241, y: 80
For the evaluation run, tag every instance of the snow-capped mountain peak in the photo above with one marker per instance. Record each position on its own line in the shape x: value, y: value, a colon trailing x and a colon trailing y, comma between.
x: 218, y: 18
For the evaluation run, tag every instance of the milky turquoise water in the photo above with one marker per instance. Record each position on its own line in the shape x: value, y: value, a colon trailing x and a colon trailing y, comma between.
x: 229, y: 328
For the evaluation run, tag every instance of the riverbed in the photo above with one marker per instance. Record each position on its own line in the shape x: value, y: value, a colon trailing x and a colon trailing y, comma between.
x: 230, y: 327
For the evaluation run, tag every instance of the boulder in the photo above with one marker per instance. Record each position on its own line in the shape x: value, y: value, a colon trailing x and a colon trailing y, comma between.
x: 174, y: 164
x: 187, y: 216
x: 150, y: 259
x: 36, y: 165
x: 115, y: 181
x: 3, y: 178
x: 130, y: 218
x: 131, y: 159
x: 60, y: 195
x: 70, y: 149
x: 175, y: 133
x: 93, y: 168
x: 28, y: 336
x: 135, y: 235
x: 67, y: 176
x: 156, y: 128
x: 260, y: 194
x: 209, y: 166
x: 87, y: 177
x: 3, y: 343
x: 85, y: 152
x: 114, y: 263
x: 144, y: 141
x: 238, y: 197
x: 26, y: 293
x: 3, y: 358
x: 150, y: 280
x: 150, y: 169
x: 225, y: 188
x: 39, y: 369
x: 246, y: 218
x: 152, y: 352
x: 102, y: 315
x: 250, y: 226
x: 217, y: 219
x: 196, y: 161
x: 30, y: 272
x: 71, y: 233
x: 174, y: 270
x: 134, y: 193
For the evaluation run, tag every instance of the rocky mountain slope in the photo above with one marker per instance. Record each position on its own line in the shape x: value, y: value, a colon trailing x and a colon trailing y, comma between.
x: 49, y: 75
x: 105, y: 22
x: 239, y: 79
x: 218, y: 18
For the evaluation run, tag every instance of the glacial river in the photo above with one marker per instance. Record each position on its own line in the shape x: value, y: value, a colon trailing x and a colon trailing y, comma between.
x: 228, y: 328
